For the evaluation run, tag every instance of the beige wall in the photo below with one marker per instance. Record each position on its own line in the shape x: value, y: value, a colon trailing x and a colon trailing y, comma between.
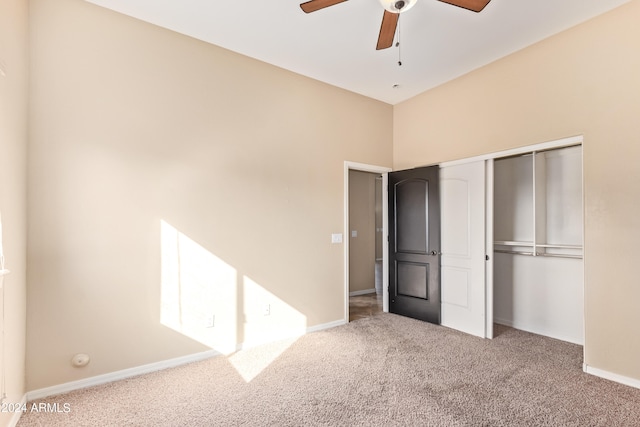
x: 171, y: 176
x: 582, y: 81
x: 362, y: 219
x: 13, y: 151
x: 167, y: 174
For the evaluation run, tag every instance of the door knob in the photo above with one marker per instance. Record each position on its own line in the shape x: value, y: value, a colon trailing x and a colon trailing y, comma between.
x: 434, y: 253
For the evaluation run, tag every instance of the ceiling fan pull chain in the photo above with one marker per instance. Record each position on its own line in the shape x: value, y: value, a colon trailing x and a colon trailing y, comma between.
x: 398, y: 42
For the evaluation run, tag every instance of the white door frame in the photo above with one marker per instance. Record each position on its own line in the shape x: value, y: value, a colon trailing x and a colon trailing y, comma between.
x: 385, y: 231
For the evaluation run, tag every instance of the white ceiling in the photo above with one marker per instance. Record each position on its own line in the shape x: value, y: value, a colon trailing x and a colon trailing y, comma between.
x: 336, y: 45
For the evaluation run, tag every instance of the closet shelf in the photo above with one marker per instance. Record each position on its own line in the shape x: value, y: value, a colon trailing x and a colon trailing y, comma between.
x: 512, y: 243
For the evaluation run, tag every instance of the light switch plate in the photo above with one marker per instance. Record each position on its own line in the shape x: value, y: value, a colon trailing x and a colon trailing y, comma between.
x: 336, y: 238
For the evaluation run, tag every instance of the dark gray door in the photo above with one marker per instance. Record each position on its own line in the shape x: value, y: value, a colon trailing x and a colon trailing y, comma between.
x: 414, y: 243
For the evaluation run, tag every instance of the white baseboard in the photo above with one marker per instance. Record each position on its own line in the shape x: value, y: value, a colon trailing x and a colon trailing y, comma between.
x: 504, y: 322
x: 118, y: 375
x: 363, y: 292
x: 326, y: 326
x: 512, y: 324
x: 13, y: 422
x: 152, y: 367
x: 286, y: 336
x: 631, y: 382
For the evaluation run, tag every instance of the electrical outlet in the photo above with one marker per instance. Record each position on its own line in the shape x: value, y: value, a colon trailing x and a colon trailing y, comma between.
x: 266, y: 309
x: 209, y: 321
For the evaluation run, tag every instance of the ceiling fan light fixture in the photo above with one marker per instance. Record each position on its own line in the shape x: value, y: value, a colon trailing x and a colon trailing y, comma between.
x: 397, y: 6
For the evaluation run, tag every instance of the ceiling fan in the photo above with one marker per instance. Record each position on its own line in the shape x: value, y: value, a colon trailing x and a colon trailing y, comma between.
x: 392, y: 11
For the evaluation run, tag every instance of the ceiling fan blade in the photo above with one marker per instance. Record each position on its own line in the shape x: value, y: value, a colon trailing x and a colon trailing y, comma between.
x: 313, y: 5
x: 387, y: 30
x: 474, y: 5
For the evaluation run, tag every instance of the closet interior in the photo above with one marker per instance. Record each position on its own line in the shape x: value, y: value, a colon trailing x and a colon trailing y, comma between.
x: 538, y: 237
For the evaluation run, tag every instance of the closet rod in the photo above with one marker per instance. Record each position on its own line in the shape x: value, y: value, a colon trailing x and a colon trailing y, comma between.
x: 502, y: 251
x: 561, y: 256
x: 538, y: 254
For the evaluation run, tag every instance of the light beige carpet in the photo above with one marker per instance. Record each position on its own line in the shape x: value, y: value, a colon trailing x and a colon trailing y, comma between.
x: 381, y: 371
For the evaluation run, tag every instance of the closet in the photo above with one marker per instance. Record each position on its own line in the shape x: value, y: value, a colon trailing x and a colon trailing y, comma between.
x: 538, y: 281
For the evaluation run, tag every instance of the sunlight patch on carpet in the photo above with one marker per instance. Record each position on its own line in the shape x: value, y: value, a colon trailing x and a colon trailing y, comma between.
x: 251, y: 362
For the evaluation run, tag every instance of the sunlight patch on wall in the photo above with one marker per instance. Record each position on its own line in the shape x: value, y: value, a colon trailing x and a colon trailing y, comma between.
x: 268, y: 318
x: 198, y: 291
x: 270, y: 327
x: 200, y: 298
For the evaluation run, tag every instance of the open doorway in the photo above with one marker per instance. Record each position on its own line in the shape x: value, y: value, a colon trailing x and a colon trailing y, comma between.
x: 366, y: 241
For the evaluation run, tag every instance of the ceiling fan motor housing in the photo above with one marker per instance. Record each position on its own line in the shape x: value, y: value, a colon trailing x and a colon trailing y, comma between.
x: 397, y: 6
